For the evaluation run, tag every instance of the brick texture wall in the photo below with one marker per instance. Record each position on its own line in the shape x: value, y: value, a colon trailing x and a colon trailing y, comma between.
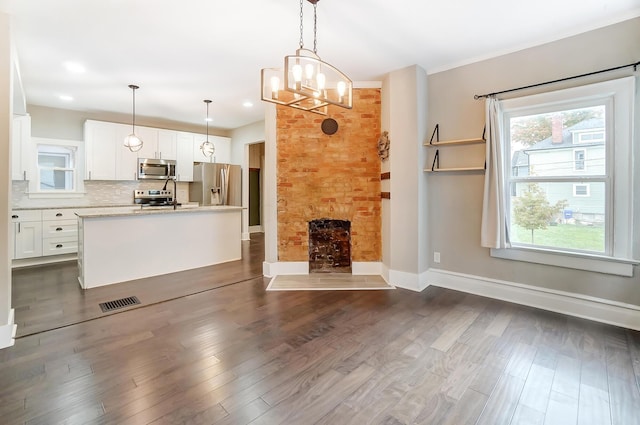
x: 335, y: 177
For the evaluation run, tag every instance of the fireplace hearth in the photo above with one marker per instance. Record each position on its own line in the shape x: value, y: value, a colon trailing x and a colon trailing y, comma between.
x: 329, y: 246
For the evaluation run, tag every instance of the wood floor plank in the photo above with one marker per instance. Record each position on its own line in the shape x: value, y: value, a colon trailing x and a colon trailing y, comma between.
x: 561, y: 410
x: 503, y: 401
x: 228, y: 352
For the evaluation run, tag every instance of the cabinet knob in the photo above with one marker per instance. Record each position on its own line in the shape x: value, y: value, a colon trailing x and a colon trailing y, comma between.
x: 59, y: 245
x: 58, y: 229
x: 59, y: 215
x: 14, y: 216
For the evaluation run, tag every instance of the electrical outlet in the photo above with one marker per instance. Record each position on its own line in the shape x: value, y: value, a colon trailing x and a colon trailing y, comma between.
x: 436, y: 257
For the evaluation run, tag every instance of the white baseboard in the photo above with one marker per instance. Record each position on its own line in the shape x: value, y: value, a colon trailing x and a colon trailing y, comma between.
x: 245, y: 236
x: 256, y: 229
x: 411, y: 281
x: 36, y: 261
x: 8, y: 332
x: 586, y: 307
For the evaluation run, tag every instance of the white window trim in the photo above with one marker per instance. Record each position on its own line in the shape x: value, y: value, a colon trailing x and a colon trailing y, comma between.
x: 587, y: 185
x: 34, y: 191
x: 620, y: 93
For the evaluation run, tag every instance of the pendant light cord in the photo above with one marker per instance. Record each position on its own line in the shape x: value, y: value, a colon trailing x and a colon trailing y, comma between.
x: 315, y: 28
x: 301, y: 43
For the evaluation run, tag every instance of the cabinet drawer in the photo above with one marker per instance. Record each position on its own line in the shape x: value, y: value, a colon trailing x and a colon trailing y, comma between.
x: 26, y: 215
x: 61, y: 214
x: 59, y: 228
x: 56, y: 246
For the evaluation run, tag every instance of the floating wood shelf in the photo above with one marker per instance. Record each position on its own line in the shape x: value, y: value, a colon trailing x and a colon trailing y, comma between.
x: 435, y: 166
x: 455, y: 142
x: 439, y: 170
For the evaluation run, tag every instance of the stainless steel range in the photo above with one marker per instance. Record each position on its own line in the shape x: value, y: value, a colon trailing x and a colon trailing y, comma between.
x: 153, y: 198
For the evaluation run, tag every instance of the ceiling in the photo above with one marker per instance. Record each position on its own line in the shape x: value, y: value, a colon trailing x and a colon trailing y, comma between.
x: 182, y: 52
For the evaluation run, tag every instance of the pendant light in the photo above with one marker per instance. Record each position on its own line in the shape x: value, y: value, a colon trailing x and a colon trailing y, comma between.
x: 307, y: 82
x: 207, y: 147
x: 133, y: 142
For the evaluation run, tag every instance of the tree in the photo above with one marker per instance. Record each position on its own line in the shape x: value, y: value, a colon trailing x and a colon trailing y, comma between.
x: 534, y: 128
x: 532, y: 211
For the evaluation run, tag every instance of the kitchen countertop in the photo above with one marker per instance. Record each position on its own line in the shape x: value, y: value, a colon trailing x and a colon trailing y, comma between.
x: 129, y: 210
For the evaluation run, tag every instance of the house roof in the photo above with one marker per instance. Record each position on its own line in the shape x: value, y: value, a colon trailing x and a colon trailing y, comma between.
x: 567, y: 136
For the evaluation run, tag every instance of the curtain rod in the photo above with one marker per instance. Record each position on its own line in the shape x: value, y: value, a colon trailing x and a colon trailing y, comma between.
x: 634, y: 65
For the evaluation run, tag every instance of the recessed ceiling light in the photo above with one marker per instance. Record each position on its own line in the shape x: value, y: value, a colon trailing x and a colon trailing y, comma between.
x: 247, y: 104
x: 74, y: 67
x: 65, y: 97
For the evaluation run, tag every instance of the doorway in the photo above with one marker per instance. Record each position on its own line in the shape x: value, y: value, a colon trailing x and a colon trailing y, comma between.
x: 256, y: 167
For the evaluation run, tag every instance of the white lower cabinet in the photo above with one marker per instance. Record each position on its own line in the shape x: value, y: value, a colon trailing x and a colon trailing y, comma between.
x: 27, y: 234
x: 41, y: 233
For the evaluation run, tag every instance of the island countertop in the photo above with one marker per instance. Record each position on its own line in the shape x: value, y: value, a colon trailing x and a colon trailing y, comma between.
x: 124, y: 211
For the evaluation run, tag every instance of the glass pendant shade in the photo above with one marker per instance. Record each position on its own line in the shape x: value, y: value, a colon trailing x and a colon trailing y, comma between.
x: 133, y: 142
x: 207, y: 148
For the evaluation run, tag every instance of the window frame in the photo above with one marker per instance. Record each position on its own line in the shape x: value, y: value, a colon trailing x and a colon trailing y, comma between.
x: 583, y: 161
x: 620, y: 252
x: 35, y: 190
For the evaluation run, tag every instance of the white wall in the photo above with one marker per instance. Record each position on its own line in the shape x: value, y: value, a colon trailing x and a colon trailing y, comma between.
x: 241, y: 138
x: 404, y: 222
x: 455, y: 199
x: 7, y: 327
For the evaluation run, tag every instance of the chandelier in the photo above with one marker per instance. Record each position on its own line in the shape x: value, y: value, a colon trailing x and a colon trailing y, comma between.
x: 133, y: 142
x: 207, y: 147
x: 306, y: 82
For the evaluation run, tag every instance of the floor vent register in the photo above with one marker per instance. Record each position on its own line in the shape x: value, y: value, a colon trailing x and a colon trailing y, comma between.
x: 117, y: 304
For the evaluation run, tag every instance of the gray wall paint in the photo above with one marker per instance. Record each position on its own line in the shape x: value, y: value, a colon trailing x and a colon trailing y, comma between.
x: 455, y: 205
x: 69, y: 124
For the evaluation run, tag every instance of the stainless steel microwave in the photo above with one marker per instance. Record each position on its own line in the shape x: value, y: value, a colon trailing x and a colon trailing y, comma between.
x: 158, y: 169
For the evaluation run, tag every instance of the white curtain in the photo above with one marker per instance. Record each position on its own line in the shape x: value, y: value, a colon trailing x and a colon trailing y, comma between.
x: 494, y: 224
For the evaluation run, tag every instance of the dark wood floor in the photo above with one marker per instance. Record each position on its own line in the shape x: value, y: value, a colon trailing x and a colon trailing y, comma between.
x: 236, y: 354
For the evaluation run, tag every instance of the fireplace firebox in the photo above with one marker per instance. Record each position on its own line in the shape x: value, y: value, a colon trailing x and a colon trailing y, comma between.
x: 329, y: 246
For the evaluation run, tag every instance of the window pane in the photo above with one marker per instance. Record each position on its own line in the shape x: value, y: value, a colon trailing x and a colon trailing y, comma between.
x: 559, y: 215
x: 56, y: 179
x: 544, y: 144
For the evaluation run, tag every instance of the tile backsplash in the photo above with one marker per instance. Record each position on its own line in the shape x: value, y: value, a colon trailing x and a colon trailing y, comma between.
x: 97, y: 194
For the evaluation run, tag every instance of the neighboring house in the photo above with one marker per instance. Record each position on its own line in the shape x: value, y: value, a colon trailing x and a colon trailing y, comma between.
x: 573, y: 151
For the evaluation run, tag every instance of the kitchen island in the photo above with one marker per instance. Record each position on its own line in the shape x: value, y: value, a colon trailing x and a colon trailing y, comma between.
x: 134, y: 243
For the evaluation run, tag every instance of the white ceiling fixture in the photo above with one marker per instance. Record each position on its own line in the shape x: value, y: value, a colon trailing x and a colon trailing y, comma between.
x: 133, y: 142
x: 207, y: 148
x: 306, y: 82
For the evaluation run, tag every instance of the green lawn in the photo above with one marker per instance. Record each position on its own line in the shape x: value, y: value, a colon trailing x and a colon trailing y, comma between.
x: 571, y: 236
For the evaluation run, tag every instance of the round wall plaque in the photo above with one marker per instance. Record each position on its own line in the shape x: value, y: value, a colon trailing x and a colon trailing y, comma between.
x: 329, y: 126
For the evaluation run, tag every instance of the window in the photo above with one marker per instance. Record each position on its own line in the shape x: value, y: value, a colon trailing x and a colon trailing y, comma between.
x: 578, y: 161
x: 571, y: 201
x: 56, y: 167
x: 581, y: 190
x: 59, y: 168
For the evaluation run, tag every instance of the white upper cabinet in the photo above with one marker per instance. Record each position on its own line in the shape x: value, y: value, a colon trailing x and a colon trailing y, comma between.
x: 184, y: 156
x: 20, y: 147
x: 167, y: 147
x: 222, y: 145
x: 149, y: 137
x: 100, y: 150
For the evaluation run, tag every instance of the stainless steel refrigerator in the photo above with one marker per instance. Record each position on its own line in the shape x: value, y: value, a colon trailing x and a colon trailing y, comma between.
x: 216, y: 184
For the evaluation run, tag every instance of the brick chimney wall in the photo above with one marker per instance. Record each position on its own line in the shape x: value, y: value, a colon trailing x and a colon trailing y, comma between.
x: 556, y: 129
x: 330, y: 176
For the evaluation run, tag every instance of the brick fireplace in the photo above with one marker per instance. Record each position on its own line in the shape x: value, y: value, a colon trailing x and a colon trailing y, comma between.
x: 329, y: 246
x: 334, y: 176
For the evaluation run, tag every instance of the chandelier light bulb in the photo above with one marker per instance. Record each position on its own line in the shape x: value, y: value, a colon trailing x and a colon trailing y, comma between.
x: 321, y: 80
x: 308, y: 71
x: 296, y: 70
x: 275, y: 87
